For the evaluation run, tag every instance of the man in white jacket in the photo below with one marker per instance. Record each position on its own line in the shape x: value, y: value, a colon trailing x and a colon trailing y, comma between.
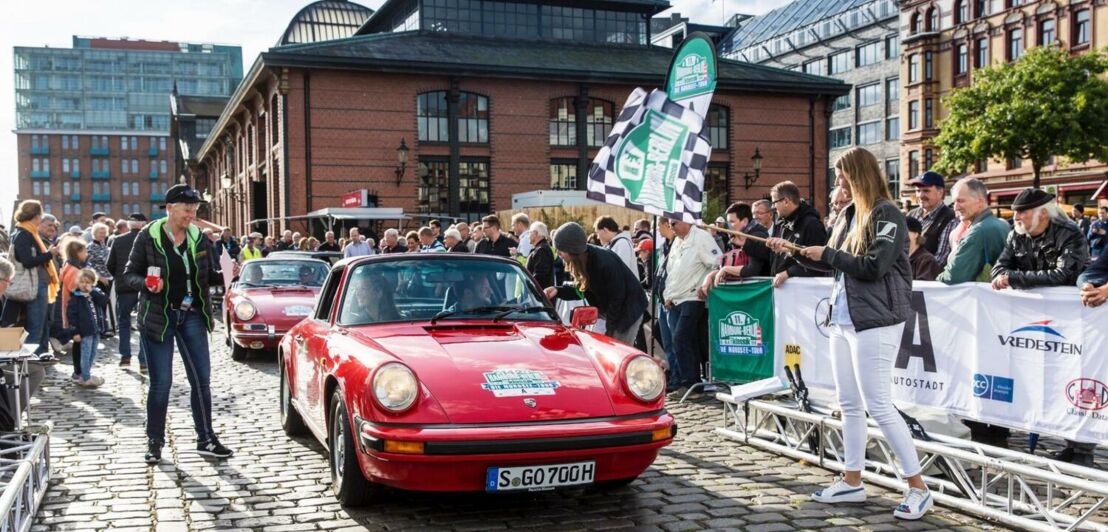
x: 619, y: 242
x: 693, y: 254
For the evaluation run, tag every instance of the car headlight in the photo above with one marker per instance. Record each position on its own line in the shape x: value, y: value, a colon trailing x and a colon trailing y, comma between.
x: 245, y: 310
x: 395, y: 387
x: 645, y: 378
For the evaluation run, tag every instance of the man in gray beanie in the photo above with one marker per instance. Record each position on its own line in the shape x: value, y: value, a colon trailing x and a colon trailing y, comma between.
x: 602, y: 280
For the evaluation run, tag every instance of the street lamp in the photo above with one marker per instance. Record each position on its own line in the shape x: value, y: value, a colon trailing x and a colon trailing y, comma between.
x: 402, y: 158
x: 749, y: 180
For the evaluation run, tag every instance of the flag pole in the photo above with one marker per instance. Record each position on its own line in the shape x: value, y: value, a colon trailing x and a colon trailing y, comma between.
x: 790, y: 247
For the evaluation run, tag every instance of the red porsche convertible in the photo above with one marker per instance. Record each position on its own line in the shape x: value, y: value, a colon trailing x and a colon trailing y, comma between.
x: 452, y: 372
x: 269, y: 296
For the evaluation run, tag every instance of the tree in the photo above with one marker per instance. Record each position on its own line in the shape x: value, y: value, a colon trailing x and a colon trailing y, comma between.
x: 1045, y: 104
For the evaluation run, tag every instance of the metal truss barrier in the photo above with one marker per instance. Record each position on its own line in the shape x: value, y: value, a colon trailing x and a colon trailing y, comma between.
x: 24, y: 477
x: 1010, y: 487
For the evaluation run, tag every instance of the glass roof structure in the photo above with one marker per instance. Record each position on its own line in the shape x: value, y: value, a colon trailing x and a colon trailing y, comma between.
x: 802, y: 23
x: 325, y: 21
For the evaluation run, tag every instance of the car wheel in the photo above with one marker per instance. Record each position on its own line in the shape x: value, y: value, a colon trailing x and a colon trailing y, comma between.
x: 238, y: 352
x: 290, y: 417
x: 350, y: 486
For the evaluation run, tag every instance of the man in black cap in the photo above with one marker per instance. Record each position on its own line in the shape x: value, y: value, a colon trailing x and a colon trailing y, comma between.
x: 937, y: 217
x: 1046, y: 249
x: 126, y: 299
x: 171, y: 267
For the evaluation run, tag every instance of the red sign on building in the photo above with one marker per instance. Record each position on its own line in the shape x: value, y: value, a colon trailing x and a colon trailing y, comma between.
x: 355, y: 198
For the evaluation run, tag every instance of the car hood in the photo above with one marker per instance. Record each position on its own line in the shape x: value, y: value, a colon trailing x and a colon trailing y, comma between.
x: 279, y: 303
x: 503, y: 372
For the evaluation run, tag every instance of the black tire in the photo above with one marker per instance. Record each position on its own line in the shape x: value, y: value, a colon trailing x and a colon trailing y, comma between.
x: 608, y: 485
x: 349, y: 485
x: 290, y: 417
x: 238, y: 352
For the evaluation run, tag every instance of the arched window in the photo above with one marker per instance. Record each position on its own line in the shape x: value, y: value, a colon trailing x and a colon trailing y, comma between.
x: 933, y: 19
x: 599, y: 115
x: 719, y: 123
x: 915, y: 27
x: 431, y: 117
x: 473, y: 117
x: 961, y: 11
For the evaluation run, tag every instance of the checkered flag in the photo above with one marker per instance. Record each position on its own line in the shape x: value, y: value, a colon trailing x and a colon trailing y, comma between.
x: 654, y: 159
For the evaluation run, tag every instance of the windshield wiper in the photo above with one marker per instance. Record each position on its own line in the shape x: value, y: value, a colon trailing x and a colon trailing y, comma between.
x: 250, y: 285
x: 520, y: 308
x: 475, y: 310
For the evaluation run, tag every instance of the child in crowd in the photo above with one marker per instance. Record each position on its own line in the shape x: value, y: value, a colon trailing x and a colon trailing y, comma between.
x: 75, y: 252
x: 83, y: 317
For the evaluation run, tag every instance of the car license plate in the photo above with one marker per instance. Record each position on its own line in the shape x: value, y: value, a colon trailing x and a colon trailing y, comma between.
x: 540, y: 477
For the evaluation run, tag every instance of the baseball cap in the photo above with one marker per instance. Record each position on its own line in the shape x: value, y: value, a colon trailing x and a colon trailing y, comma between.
x: 182, y: 193
x: 929, y: 179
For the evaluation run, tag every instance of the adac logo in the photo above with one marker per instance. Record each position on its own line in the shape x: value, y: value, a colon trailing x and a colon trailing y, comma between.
x: 1041, y: 336
x: 1087, y: 394
x: 740, y: 334
x: 993, y: 387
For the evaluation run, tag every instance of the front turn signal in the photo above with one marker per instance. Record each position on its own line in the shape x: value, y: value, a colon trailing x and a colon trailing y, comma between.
x: 404, y: 447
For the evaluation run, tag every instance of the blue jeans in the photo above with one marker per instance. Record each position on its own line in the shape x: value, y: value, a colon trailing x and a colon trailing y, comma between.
x: 667, y: 344
x: 88, y: 355
x: 1096, y: 279
x: 36, y: 318
x: 190, y: 333
x: 684, y: 321
x: 125, y: 302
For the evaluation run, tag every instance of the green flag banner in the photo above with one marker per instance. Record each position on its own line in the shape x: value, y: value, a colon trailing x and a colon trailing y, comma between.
x: 741, y: 332
x: 691, y: 79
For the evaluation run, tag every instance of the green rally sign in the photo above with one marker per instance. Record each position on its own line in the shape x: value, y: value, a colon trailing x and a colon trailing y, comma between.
x: 649, y: 160
x: 691, y: 80
x: 740, y: 331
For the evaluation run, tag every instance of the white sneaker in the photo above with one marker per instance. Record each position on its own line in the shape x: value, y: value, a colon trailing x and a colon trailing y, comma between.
x: 916, y: 503
x: 840, y: 491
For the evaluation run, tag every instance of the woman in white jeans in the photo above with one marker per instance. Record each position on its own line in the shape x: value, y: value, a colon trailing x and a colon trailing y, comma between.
x: 870, y: 302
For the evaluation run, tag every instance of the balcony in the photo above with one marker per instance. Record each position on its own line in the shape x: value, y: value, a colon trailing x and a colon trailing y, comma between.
x: 40, y: 174
x: 40, y: 150
x: 76, y: 196
x: 157, y: 197
x: 103, y: 196
x: 99, y: 152
x: 101, y: 175
x: 153, y: 175
x: 76, y: 174
x: 153, y: 152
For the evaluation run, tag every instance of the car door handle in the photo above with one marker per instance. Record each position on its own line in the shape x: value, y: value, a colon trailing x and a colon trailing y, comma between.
x: 298, y: 338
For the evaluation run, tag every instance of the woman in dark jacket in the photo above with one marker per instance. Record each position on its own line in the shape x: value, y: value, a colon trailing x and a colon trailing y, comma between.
x: 175, y: 308
x: 869, y: 306
x: 603, y: 280
x: 540, y: 262
x: 29, y: 249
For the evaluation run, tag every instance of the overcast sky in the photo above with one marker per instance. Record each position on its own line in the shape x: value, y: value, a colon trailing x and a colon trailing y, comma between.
x: 253, y: 24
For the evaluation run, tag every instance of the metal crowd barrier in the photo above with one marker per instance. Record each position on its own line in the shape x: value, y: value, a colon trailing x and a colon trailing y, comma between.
x: 1010, y: 487
x: 24, y: 477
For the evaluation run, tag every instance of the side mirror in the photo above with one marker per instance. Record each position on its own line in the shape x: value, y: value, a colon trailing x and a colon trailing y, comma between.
x: 582, y: 317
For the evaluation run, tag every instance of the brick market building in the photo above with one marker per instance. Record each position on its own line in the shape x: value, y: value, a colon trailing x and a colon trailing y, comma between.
x: 491, y: 99
x: 92, y: 123
x: 946, y: 41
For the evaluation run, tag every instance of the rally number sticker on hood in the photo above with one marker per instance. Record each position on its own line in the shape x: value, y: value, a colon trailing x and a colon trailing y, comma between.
x: 298, y: 310
x: 518, y: 382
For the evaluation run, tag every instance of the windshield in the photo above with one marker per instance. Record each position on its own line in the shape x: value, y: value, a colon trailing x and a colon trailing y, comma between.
x: 418, y: 290
x: 283, y: 273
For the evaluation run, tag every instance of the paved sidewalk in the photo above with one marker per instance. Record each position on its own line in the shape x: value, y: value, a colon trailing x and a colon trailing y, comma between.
x: 274, y: 483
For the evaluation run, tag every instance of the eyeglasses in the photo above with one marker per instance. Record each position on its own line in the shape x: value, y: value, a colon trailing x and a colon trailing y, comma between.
x: 776, y: 201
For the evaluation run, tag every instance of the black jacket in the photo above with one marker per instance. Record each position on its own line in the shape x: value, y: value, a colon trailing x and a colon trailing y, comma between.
x: 460, y: 247
x: 148, y: 251
x: 81, y: 313
x: 1054, y: 258
x: 878, y: 282
x: 761, y: 258
x: 26, y: 251
x: 613, y: 289
x: 329, y: 246
x: 541, y: 263
x: 117, y: 258
x: 500, y: 248
x: 804, y: 228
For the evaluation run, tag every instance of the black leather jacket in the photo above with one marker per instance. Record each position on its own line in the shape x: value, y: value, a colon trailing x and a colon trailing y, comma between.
x: 1054, y: 258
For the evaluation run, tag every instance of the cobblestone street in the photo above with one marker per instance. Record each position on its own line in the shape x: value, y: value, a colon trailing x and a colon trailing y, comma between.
x: 275, y: 483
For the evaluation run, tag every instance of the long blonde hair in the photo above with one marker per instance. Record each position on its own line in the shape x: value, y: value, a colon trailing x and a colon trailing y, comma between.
x: 868, y: 188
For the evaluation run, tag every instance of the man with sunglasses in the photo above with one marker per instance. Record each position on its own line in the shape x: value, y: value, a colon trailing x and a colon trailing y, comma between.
x: 171, y: 268
x: 798, y: 223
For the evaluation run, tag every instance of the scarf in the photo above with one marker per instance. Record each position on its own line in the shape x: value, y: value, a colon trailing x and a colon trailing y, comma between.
x: 52, y: 291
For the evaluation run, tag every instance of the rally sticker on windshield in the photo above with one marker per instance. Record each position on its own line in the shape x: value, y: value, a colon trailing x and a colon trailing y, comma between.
x: 512, y: 382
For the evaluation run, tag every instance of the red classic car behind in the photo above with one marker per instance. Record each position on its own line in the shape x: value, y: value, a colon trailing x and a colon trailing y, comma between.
x: 267, y: 299
x: 451, y: 372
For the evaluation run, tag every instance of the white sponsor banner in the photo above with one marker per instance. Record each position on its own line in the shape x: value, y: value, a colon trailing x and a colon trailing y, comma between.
x: 1034, y: 360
